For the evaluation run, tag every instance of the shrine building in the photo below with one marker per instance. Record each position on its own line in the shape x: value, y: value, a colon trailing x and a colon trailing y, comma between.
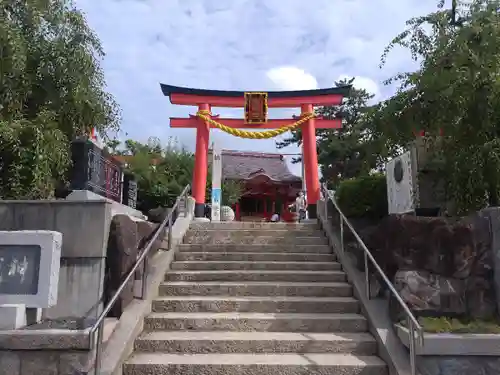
x: 269, y: 186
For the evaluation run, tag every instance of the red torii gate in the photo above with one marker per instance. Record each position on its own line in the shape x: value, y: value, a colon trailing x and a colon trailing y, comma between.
x: 255, y: 105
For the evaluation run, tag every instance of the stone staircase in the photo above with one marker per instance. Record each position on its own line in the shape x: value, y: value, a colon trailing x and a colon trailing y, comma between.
x: 255, y: 298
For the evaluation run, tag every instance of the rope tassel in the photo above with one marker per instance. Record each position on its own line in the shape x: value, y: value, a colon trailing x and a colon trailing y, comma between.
x: 205, y: 115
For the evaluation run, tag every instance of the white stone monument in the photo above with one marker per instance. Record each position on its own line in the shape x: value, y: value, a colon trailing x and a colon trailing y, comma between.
x: 399, y: 177
x: 29, y: 274
x: 216, y: 182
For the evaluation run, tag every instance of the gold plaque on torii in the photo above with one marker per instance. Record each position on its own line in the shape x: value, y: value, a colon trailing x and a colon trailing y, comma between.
x: 255, y: 107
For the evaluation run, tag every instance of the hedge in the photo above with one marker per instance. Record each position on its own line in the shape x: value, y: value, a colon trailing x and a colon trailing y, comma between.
x: 363, y: 197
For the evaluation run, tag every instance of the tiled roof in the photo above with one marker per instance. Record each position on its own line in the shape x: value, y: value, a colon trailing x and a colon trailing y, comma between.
x: 244, y: 165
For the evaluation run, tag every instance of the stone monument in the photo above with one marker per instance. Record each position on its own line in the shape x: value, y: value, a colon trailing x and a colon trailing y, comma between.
x: 129, y: 190
x: 399, y: 177
x: 95, y: 170
x: 216, y: 183
x: 97, y: 175
x: 29, y: 275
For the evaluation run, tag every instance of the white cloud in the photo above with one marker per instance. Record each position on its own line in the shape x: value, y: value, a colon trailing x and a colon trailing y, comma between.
x: 291, y: 78
x: 365, y: 83
x: 240, y: 45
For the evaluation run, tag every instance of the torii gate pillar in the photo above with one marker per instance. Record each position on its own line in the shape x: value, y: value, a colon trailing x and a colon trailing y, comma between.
x: 310, y: 155
x: 305, y: 99
x: 200, y: 171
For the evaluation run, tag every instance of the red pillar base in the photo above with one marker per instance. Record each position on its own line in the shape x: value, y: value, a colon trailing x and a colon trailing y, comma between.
x: 312, y: 211
x: 199, y: 209
x: 237, y: 212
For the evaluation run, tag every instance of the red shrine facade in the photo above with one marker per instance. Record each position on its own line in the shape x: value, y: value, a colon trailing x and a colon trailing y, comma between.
x: 268, y: 184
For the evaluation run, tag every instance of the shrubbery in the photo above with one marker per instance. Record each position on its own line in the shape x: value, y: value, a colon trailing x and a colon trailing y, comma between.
x: 364, y: 196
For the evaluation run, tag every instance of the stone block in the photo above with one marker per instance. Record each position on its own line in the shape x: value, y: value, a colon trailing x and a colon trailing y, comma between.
x: 454, y: 344
x: 428, y: 294
x: 454, y: 365
x: 45, y: 338
x: 494, y: 214
x: 80, y: 288
x: 157, y: 215
x: 116, y: 208
x: 84, y: 224
x: 77, y: 362
x: 145, y: 232
x: 456, y: 252
x: 12, y: 317
x: 39, y: 363
x: 85, y: 228
x: 10, y: 363
x: 121, y: 257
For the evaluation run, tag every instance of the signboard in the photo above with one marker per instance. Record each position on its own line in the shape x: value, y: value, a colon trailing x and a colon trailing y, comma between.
x: 216, y: 183
x: 95, y: 170
x: 255, y: 108
x: 399, y: 179
x: 19, y: 269
x: 129, y: 193
x: 29, y: 267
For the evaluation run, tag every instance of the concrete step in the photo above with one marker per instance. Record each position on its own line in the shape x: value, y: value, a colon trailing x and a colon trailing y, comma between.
x: 253, y: 364
x: 242, y: 239
x: 255, y: 257
x: 231, y: 233
x: 277, y: 248
x: 256, y: 304
x: 256, y: 275
x: 256, y: 342
x: 238, y: 225
x: 282, y: 322
x: 255, y: 288
x: 312, y: 266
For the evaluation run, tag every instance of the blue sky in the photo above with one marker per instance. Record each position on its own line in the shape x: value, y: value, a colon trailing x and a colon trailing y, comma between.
x: 240, y: 45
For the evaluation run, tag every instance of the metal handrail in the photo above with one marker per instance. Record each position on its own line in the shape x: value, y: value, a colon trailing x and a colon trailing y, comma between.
x: 98, y: 325
x: 413, y: 325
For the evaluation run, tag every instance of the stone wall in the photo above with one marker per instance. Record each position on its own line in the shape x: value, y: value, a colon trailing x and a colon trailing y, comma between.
x: 84, y: 226
x: 47, y: 352
x: 46, y: 362
x: 453, y: 365
x: 441, y: 267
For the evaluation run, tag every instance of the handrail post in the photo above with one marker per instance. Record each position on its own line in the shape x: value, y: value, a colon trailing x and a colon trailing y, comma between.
x: 325, y: 196
x: 411, y: 330
x: 98, y: 347
x: 170, y: 232
x: 144, y: 278
x: 341, y: 233
x: 367, y: 275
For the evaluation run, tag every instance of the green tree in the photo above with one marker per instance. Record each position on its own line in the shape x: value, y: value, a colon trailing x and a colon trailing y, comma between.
x: 353, y: 150
x: 232, y: 191
x: 51, y: 91
x: 161, y: 172
x: 456, y: 90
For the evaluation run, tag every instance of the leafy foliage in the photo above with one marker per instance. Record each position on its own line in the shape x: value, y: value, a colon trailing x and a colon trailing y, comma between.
x: 33, y: 157
x: 51, y: 91
x: 231, y: 192
x: 364, y: 196
x: 456, y: 90
x: 161, y: 172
